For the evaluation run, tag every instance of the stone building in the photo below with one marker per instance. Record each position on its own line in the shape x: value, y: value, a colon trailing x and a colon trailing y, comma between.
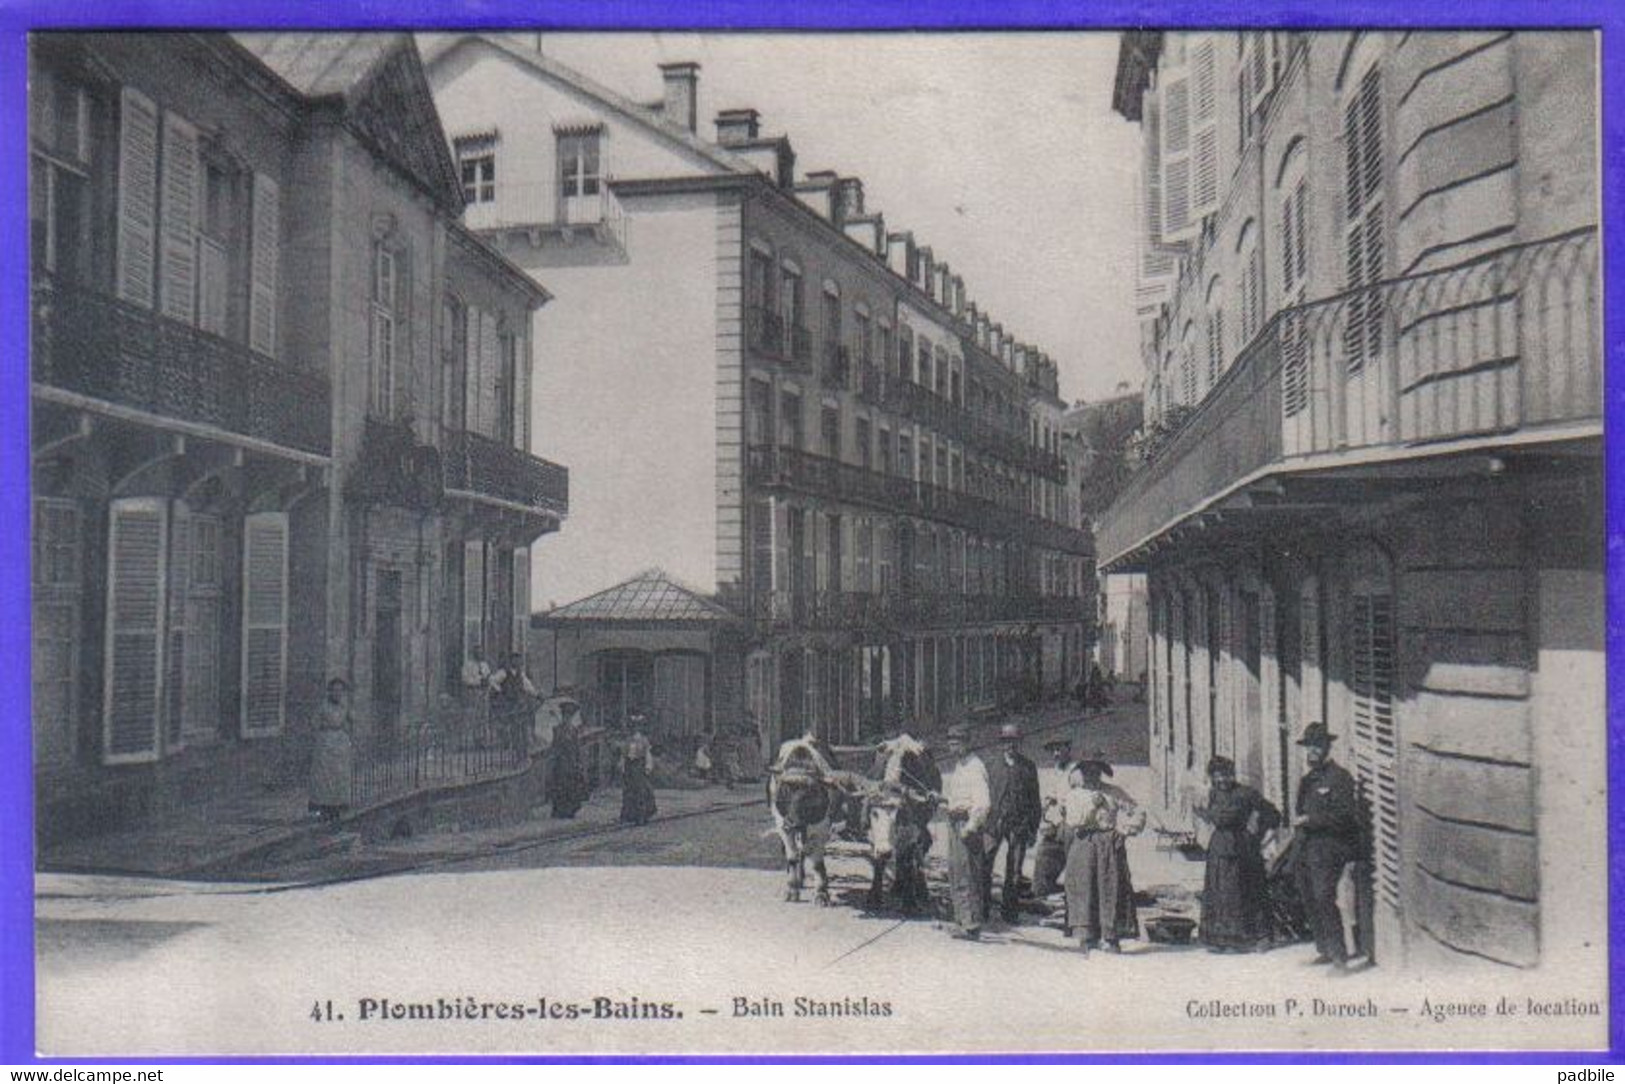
x: 815, y: 425
x: 280, y: 412
x: 1369, y: 306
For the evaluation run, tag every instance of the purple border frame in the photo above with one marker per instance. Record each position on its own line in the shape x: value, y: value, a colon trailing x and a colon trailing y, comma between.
x: 17, y: 17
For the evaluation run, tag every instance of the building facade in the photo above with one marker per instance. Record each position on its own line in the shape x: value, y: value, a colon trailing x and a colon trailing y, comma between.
x: 820, y: 430
x: 269, y: 447
x: 1374, y: 498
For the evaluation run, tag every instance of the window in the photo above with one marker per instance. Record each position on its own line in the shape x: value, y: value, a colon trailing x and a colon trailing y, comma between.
x: 790, y: 422
x: 1364, y: 230
x: 217, y: 222
x: 59, y: 176
x: 56, y: 627
x: 885, y: 451
x: 886, y: 344
x: 1293, y: 232
x: 861, y: 435
x: 905, y: 455
x: 578, y: 164
x: 862, y: 337
x: 479, y: 175
x: 385, y: 288
x: 905, y: 353
x: 453, y: 359
x: 1371, y: 634
x: 925, y: 364
x: 507, y: 386
x: 761, y: 281
x: 829, y: 428
x: 942, y: 372
x: 759, y: 418
x: 792, y: 302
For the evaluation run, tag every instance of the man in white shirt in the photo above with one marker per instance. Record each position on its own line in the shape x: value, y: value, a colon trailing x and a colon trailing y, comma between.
x: 476, y: 686
x: 967, y: 798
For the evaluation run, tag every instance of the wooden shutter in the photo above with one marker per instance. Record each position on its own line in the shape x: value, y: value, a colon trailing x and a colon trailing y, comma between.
x: 175, y: 630
x: 1204, y: 100
x: 521, y: 390
x: 490, y: 364
x: 202, y: 699
x: 133, y: 676
x: 1215, y: 345
x: 137, y: 196
x: 1157, y: 260
x: 474, y: 323
x: 265, y: 623
x: 178, y: 254
x: 473, y: 597
x: 521, y: 599
x: 264, y: 255
x: 1363, y: 237
x: 1375, y: 737
x: 57, y: 579
x: 1178, y: 223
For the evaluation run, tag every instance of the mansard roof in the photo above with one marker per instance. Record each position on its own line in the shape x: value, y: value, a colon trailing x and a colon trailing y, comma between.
x: 379, y: 81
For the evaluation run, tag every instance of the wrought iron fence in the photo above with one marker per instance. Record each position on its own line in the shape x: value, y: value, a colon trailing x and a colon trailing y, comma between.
x: 482, y: 748
x: 478, y: 464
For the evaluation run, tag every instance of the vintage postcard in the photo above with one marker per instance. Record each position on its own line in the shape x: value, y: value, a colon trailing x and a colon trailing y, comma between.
x: 561, y: 543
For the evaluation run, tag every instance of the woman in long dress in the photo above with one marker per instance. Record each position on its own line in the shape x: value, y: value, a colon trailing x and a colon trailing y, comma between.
x: 1235, y: 915
x: 332, y: 759
x: 637, y: 788
x: 567, y: 782
x: 1094, y: 875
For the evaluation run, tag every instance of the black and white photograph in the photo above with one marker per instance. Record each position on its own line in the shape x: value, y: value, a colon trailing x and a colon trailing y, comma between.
x: 566, y: 543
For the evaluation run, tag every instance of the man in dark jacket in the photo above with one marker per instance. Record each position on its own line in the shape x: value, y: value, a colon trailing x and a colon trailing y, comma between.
x: 1329, y: 829
x: 1017, y: 810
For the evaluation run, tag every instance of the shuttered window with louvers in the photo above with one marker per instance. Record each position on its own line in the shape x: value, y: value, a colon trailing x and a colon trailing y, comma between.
x: 1204, y: 77
x: 57, y: 579
x: 265, y: 245
x: 137, y: 197
x: 473, y: 598
x: 1364, y: 241
x: 176, y: 633
x: 133, y: 681
x: 265, y: 623
x: 178, y: 253
x: 1371, y: 635
x: 1178, y: 223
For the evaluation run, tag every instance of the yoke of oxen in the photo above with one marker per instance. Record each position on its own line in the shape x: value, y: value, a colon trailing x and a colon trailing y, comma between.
x: 801, y: 799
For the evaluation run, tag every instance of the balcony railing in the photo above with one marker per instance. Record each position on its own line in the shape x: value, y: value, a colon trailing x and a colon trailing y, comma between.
x: 94, y: 345
x: 539, y: 207
x: 1507, y: 342
x: 790, y: 468
x: 896, y: 609
x: 921, y: 405
x: 474, y: 463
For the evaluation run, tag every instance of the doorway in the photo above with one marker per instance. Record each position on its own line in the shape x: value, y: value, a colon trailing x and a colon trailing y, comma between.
x: 386, y: 657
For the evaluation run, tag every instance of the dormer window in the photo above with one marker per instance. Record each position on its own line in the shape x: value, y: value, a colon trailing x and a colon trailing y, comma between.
x: 579, y: 162
x: 477, y: 166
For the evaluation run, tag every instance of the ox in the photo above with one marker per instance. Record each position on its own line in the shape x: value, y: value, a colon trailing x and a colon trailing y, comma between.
x: 898, y: 817
x: 804, y: 801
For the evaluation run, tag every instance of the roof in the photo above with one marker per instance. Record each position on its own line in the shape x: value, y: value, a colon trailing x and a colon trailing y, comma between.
x: 324, y: 64
x: 437, y: 49
x: 650, y: 596
x: 379, y: 79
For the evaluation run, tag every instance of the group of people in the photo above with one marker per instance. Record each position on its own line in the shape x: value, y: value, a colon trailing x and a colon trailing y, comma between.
x: 1076, y: 821
x: 1327, y: 839
x: 1078, y: 825
x: 568, y: 783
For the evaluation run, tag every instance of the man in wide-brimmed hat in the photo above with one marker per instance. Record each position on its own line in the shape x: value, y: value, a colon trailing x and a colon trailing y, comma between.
x: 1328, y: 825
x: 1017, y: 809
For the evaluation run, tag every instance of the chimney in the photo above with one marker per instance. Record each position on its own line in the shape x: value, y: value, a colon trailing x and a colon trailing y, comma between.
x: 898, y: 246
x: 848, y: 199
x: 681, y: 102
x: 959, y: 296
x: 818, y: 192
x: 738, y: 126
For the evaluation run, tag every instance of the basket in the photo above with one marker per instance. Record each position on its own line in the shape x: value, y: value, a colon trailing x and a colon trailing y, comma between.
x: 1170, y: 929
